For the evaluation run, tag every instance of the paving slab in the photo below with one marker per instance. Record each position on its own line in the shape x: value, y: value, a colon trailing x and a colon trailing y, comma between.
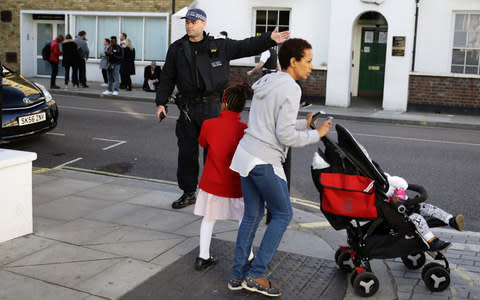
x: 15, y: 287
x: 175, y: 253
x: 62, y: 253
x: 67, y: 274
x: 61, y: 187
x: 119, y: 278
x: 156, y: 198
x: 18, y: 248
x: 113, y: 192
x: 79, y: 231
x: 70, y: 208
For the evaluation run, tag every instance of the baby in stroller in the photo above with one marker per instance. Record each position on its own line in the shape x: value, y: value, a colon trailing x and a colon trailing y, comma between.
x: 416, y: 213
x: 381, y: 222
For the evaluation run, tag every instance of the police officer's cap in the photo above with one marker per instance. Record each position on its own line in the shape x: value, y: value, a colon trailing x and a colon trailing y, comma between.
x: 195, y: 14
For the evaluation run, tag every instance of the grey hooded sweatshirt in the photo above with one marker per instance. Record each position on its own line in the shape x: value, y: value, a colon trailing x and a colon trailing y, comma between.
x: 272, y: 123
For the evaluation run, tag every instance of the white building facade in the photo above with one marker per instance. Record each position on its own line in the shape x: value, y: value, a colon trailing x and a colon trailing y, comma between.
x: 400, y: 53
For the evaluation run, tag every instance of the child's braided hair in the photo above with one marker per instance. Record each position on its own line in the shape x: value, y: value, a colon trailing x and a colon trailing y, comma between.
x: 235, y: 97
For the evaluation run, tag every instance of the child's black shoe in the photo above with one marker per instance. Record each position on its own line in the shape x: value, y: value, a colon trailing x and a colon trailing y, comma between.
x: 438, y: 245
x: 457, y: 222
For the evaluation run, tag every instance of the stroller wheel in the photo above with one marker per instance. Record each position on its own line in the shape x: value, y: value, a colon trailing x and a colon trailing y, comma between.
x: 340, y: 249
x: 344, y: 261
x: 436, y: 278
x: 428, y: 266
x: 414, y: 261
x: 356, y: 271
x: 365, y: 284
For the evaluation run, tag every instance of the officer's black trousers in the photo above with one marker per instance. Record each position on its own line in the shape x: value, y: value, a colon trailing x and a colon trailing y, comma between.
x: 187, y: 132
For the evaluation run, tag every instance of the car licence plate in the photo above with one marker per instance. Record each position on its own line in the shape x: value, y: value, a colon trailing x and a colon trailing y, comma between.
x: 32, y: 119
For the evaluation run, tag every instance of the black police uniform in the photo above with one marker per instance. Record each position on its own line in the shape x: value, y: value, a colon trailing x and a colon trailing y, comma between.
x: 201, y: 72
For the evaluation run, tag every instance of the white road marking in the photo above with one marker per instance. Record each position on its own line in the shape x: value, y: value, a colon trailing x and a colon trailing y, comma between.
x: 68, y: 163
x: 118, y: 143
x: 113, y: 111
x: 55, y: 133
x: 415, y: 139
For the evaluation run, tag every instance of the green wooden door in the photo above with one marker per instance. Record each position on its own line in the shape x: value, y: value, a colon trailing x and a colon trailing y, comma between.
x: 372, y: 61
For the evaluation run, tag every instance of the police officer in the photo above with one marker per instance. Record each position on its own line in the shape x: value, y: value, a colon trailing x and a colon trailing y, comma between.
x: 198, y: 64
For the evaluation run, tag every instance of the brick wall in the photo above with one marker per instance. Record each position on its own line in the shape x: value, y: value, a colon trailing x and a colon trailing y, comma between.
x: 444, y: 94
x: 10, y: 31
x: 313, y: 87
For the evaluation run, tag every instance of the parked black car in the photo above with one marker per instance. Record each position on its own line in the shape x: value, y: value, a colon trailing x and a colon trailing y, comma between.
x: 27, y: 107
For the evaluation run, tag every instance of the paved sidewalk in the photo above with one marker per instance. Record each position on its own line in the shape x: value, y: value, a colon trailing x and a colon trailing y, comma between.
x: 352, y: 113
x: 104, y: 237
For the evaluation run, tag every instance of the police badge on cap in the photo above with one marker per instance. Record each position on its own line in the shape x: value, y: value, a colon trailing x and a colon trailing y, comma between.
x: 195, y: 14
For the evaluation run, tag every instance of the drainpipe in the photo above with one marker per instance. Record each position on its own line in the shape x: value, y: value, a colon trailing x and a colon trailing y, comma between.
x: 173, y: 7
x: 415, y: 35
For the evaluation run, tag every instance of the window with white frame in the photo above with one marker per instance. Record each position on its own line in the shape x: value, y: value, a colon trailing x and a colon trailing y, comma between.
x: 147, y: 33
x: 267, y: 19
x: 466, y: 44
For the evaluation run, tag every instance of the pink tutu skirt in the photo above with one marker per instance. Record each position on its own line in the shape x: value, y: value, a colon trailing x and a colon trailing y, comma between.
x: 218, y: 208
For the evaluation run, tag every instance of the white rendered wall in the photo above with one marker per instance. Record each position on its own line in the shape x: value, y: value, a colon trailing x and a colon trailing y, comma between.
x: 435, y: 33
x: 309, y: 20
x: 16, y: 193
x: 344, y: 14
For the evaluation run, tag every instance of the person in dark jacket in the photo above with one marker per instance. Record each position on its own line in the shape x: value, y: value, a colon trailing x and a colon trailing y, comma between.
x: 70, y: 60
x: 54, y: 59
x: 84, y: 53
x: 115, y: 58
x: 198, y: 65
x: 151, y: 77
x: 127, y: 67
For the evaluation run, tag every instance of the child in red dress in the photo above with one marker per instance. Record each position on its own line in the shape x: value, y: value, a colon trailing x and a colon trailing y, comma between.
x: 220, y: 190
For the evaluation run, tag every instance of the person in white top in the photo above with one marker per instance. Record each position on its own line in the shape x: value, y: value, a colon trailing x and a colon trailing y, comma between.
x: 272, y: 128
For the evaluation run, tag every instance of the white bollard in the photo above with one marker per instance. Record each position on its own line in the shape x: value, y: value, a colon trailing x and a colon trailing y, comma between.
x: 16, y: 217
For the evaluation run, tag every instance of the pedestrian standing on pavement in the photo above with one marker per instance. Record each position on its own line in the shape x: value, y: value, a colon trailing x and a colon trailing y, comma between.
x: 127, y: 67
x: 272, y: 128
x: 220, y: 191
x: 268, y: 63
x: 123, y: 40
x: 115, y: 58
x: 54, y: 60
x: 198, y: 64
x: 70, y: 59
x: 104, y: 61
x: 84, y: 52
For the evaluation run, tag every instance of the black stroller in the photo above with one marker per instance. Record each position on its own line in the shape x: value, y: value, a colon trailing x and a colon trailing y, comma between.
x: 353, y: 197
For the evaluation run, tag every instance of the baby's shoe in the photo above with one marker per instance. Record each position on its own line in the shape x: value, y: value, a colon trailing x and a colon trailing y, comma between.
x: 438, y: 245
x: 457, y: 222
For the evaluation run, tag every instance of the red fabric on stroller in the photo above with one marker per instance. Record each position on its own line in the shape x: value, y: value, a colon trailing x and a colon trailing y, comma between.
x: 348, y: 195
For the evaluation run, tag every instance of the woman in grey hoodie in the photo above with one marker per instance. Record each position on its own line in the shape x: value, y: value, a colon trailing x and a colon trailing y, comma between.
x: 272, y: 128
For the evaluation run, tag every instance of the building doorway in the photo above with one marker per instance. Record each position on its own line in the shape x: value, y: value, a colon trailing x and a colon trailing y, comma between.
x: 46, y: 31
x: 369, y: 55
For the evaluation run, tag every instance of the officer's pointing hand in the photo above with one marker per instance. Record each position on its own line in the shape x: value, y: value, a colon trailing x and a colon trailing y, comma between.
x: 280, y: 37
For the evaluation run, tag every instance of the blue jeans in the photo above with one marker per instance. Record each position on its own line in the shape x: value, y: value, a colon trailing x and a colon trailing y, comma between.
x: 259, y: 187
x: 113, y: 75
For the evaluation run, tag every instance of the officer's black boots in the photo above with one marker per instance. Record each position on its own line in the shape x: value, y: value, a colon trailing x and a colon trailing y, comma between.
x: 185, y: 200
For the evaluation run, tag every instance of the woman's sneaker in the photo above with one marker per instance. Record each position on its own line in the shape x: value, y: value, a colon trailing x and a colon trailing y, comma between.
x: 235, y: 284
x: 457, y: 222
x: 261, y: 285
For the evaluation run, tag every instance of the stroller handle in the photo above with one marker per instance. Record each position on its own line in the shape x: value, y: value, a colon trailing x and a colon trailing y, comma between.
x: 421, y: 197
